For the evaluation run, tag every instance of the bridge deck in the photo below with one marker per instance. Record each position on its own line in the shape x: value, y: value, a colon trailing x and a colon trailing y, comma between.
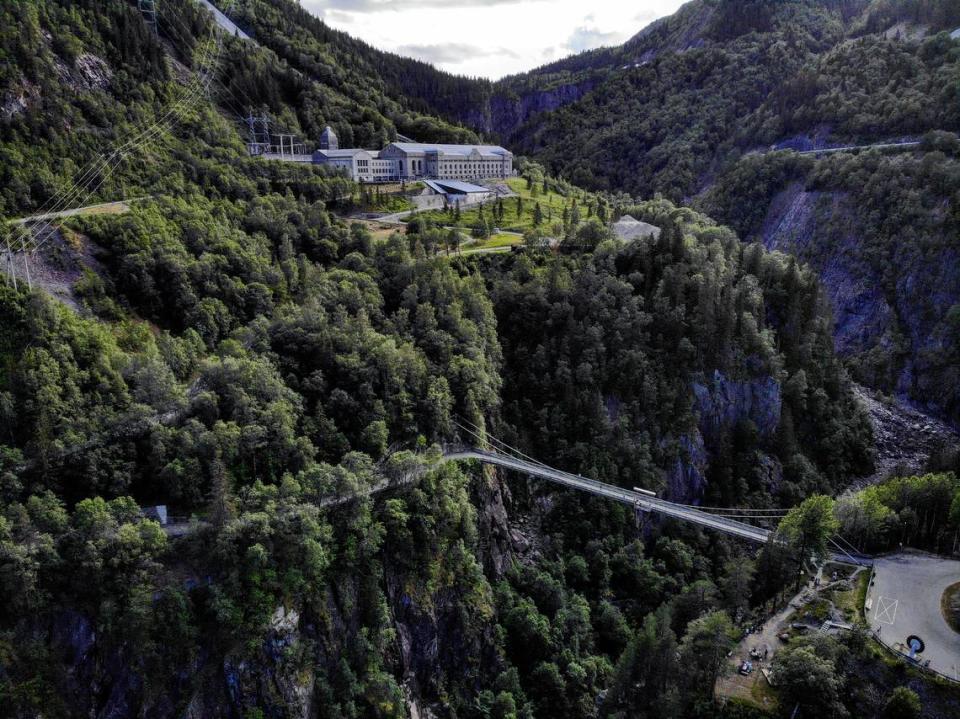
x: 645, y: 502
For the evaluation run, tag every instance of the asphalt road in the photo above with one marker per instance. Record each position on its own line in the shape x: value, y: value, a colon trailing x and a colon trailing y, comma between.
x: 905, y: 600
x: 225, y: 22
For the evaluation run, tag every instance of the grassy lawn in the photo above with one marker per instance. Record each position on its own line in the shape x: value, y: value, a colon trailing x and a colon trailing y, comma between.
x: 388, y: 204
x: 551, y: 205
x: 863, y: 586
x: 850, y: 602
x: 498, y: 241
x: 763, y: 695
x: 753, y: 690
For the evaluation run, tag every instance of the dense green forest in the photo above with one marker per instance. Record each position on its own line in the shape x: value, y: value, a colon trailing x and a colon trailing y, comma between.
x: 697, y: 89
x: 246, y: 357
x: 416, y: 92
x: 694, y: 106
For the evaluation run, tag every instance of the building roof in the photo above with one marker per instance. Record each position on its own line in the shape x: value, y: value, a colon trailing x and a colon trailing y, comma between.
x: 629, y: 228
x: 328, y: 132
x: 459, y: 150
x: 956, y: 34
x: 456, y: 187
x: 346, y: 152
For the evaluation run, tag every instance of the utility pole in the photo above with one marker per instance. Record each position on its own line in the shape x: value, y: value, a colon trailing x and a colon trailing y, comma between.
x: 26, y: 262
x: 148, y: 8
x: 252, y: 129
x: 10, y: 267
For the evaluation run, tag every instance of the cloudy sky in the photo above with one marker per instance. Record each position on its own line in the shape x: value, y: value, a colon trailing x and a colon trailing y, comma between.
x: 490, y: 38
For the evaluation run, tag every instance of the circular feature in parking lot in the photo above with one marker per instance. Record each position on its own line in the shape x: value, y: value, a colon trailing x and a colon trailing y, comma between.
x: 915, y: 644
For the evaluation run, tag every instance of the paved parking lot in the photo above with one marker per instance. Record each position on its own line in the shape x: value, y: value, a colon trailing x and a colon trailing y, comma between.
x: 905, y: 600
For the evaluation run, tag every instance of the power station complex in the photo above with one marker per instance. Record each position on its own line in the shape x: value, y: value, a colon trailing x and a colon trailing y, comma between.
x: 415, y: 161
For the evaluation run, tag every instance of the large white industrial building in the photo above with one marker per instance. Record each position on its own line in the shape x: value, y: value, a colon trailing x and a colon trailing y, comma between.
x: 414, y: 161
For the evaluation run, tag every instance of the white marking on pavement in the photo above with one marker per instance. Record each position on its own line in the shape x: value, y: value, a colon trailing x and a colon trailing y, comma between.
x: 886, y: 610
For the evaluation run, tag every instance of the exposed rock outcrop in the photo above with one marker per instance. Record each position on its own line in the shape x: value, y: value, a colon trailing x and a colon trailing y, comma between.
x: 17, y: 99
x: 905, y: 437
x: 722, y: 403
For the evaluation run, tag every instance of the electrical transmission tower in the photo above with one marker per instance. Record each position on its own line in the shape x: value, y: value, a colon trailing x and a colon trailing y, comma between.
x: 148, y: 8
x: 261, y: 141
x: 259, y: 129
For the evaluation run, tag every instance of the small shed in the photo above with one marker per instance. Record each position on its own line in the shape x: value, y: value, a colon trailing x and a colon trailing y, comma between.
x: 629, y: 228
x: 157, y: 513
x: 458, y: 191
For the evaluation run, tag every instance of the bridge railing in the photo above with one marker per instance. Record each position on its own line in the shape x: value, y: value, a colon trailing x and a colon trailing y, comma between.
x: 625, y: 495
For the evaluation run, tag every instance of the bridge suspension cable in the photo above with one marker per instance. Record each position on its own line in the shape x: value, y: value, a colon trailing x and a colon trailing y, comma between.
x: 486, y: 436
x: 723, y: 512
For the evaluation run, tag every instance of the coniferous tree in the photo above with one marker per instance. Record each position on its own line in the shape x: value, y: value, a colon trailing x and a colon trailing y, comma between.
x: 221, y: 504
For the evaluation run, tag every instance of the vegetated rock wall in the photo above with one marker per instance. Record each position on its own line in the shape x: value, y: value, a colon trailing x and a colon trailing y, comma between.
x: 284, y: 674
x: 686, y: 477
x: 721, y: 403
x: 793, y: 225
x: 892, y: 330
x: 506, y: 111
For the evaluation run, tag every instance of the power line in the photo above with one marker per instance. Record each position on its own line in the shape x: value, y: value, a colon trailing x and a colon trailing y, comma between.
x: 107, y: 164
x: 104, y: 163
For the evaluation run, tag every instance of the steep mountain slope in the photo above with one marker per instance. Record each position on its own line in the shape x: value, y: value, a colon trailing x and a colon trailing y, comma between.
x: 691, y: 106
x: 246, y: 358
x: 68, y: 95
x: 411, y: 93
x: 722, y: 77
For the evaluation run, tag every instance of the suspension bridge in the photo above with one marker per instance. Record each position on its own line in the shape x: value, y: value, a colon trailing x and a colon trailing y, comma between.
x: 733, y: 521
x: 725, y: 519
x: 729, y: 520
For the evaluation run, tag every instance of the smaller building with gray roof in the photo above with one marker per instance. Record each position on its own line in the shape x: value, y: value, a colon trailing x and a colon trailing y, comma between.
x: 629, y: 228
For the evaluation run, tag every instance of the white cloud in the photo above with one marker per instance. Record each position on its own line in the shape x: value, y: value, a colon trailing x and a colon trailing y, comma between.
x: 452, y: 53
x: 368, y: 6
x: 588, y: 38
x: 490, y: 38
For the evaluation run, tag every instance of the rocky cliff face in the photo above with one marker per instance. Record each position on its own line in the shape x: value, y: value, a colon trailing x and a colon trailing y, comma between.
x: 721, y: 404
x: 794, y: 224
x: 686, y: 477
x: 891, y: 306
x: 286, y: 673
x: 507, y: 110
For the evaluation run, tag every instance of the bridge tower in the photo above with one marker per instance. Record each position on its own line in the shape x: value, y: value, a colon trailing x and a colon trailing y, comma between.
x: 148, y: 8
